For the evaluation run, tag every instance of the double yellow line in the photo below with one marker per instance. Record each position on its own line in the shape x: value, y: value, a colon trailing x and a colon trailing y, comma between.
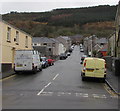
x: 7, y: 78
x: 109, y: 91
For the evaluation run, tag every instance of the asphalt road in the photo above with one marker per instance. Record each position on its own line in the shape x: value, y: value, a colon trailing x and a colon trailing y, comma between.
x: 57, y: 87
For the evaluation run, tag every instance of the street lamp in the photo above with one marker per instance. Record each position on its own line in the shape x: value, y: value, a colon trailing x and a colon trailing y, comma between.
x: 92, y: 44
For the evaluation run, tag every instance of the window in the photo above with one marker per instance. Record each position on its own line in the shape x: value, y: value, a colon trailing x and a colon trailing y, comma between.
x: 26, y: 42
x: 8, y: 34
x: 17, y: 37
x: 53, y: 44
x: 45, y: 44
x: 49, y: 49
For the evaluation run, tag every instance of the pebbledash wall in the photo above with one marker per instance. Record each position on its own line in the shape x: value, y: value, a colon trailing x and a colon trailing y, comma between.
x: 12, y: 39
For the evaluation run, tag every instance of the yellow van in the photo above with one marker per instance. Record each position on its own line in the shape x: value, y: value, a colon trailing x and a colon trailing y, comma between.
x: 93, y: 67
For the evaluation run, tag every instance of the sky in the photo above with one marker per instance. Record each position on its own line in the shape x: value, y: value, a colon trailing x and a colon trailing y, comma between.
x: 6, y: 6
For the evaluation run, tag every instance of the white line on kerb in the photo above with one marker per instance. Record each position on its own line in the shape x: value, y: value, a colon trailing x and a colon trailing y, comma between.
x: 55, y: 77
x: 44, y: 88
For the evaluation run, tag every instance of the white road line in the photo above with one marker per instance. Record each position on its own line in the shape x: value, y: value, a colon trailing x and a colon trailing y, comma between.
x: 46, y: 93
x: 55, y: 77
x: 85, y: 95
x: 44, y: 88
x: 95, y: 95
x: 48, y: 84
x: 103, y: 96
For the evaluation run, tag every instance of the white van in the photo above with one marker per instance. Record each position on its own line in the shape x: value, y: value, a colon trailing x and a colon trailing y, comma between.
x: 27, y: 60
x: 94, y: 67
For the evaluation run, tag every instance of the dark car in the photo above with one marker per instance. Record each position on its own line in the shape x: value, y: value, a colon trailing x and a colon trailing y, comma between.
x: 63, y: 56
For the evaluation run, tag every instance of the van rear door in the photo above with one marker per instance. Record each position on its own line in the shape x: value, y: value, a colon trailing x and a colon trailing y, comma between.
x: 23, y: 60
x: 90, y: 67
x: 100, y: 68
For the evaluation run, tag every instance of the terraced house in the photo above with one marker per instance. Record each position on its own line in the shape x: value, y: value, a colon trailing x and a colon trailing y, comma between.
x: 12, y: 39
x: 117, y: 23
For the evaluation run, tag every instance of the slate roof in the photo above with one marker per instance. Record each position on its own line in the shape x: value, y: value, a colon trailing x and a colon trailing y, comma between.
x: 65, y: 37
x: 42, y: 40
x: 102, y: 40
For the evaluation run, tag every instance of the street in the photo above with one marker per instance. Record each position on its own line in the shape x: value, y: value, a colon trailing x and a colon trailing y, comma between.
x: 57, y: 87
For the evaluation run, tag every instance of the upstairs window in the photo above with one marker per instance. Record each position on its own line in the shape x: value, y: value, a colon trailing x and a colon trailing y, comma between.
x: 17, y: 37
x: 8, y: 34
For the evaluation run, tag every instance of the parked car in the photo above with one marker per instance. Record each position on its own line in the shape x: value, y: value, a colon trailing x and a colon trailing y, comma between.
x: 68, y: 53
x: 44, y: 62
x: 93, y: 68
x: 63, y: 56
x: 70, y: 50
x: 81, y: 50
x: 72, y: 47
x: 81, y: 46
x: 27, y: 60
x: 50, y: 62
x: 82, y: 58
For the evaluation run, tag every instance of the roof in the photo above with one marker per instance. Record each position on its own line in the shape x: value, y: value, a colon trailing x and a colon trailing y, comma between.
x: 42, y: 40
x: 91, y: 58
x: 3, y: 21
x: 102, y: 40
x: 54, y: 40
x: 64, y: 37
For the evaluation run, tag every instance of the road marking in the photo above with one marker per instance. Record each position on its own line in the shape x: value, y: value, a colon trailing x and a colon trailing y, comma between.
x: 7, y: 78
x: 55, y: 77
x: 64, y: 93
x: 47, y: 84
x: 46, y: 93
x: 44, y: 88
x: 103, y: 96
x: 82, y: 95
x: 114, y: 96
x: 95, y: 95
x: 108, y: 90
x: 85, y: 95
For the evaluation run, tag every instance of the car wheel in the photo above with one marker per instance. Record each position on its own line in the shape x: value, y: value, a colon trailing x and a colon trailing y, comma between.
x: 83, y: 78
x: 103, y: 80
x: 40, y: 69
x: 35, y: 71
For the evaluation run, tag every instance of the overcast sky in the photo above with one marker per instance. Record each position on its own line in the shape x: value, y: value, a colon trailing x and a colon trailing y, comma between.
x: 7, y: 6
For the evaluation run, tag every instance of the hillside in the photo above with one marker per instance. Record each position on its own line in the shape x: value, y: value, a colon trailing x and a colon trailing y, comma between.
x: 69, y: 21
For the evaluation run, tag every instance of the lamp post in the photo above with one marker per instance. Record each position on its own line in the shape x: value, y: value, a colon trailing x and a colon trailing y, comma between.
x: 92, y: 44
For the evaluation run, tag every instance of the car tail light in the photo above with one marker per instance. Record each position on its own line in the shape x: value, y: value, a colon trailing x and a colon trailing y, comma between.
x: 85, y: 63
x: 105, y: 68
x: 105, y: 64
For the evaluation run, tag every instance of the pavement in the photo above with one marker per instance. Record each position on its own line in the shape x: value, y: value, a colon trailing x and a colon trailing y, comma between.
x: 7, y: 74
x: 113, y: 81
